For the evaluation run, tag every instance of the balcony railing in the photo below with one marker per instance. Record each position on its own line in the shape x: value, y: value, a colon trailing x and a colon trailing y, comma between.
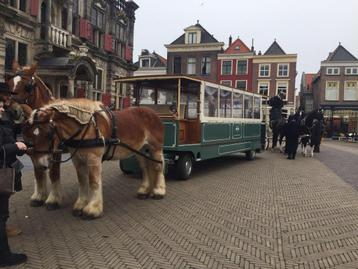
x: 59, y: 37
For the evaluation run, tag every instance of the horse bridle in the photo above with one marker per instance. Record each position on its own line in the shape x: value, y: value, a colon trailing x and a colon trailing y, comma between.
x: 30, y: 85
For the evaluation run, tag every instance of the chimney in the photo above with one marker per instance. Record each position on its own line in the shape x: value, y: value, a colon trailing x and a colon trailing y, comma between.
x: 145, y: 52
x: 252, y: 45
x: 260, y: 52
x: 230, y: 40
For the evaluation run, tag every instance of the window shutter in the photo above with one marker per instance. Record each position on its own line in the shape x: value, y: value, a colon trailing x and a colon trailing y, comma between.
x: 89, y: 31
x: 106, y: 99
x: 129, y: 52
x: 34, y: 8
x: 108, y: 43
x: 83, y: 28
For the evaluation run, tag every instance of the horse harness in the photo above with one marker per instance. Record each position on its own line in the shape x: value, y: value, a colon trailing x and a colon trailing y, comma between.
x: 99, y: 141
x: 30, y: 85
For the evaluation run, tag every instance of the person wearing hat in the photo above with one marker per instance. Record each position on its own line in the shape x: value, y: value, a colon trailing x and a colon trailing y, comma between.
x: 292, y: 132
x: 9, y: 148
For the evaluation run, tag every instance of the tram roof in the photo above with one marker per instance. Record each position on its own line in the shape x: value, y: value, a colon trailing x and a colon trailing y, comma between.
x: 157, y: 77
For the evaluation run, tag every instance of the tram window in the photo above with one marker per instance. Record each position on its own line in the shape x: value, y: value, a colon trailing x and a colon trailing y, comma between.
x: 147, y: 96
x: 167, y: 97
x: 211, y: 102
x: 248, y: 106
x: 237, y: 105
x: 225, y: 104
x: 257, y: 102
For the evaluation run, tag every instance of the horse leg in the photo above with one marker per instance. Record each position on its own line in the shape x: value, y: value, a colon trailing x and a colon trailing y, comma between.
x: 54, y: 199
x: 145, y: 187
x: 82, y: 177
x: 94, y: 208
x: 274, y: 139
x: 156, y: 172
x: 40, y: 192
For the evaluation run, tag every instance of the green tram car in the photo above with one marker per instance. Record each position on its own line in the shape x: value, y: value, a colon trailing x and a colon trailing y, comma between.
x: 202, y: 120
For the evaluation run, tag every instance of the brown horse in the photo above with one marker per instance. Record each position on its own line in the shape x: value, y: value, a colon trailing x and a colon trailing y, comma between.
x: 77, y: 122
x: 32, y: 91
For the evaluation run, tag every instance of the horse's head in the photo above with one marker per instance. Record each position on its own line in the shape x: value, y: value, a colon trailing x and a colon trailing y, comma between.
x: 23, y: 82
x: 41, y: 135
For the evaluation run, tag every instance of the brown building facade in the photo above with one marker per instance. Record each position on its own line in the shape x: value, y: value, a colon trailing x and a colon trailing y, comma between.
x: 335, y: 89
x: 275, y: 72
x: 194, y: 53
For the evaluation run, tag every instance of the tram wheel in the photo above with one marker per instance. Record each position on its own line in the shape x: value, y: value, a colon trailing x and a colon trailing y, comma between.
x: 184, y: 167
x: 250, y: 155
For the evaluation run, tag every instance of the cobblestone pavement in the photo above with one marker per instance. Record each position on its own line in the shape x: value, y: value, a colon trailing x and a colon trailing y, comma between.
x: 267, y: 213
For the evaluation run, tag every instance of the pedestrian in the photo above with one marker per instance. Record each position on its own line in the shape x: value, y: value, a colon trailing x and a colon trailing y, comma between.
x: 291, y: 131
x: 316, y: 132
x: 9, y: 148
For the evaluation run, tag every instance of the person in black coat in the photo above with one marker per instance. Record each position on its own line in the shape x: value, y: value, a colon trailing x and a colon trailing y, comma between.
x: 316, y: 132
x: 11, y: 148
x: 292, y: 131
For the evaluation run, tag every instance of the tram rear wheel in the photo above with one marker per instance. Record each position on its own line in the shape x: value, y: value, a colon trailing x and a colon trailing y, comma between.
x: 250, y: 155
x: 184, y: 166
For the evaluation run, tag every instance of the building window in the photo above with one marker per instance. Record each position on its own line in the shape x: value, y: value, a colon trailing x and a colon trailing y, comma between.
x: 282, y: 87
x: 191, y: 68
x: 351, y: 90
x: 22, y: 5
x: 177, y: 65
x: 99, y: 79
x: 22, y: 54
x: 98, y: 86
x: 226, y: 83
x: 15, y: 51
x: 351, y: 71
x: 206, y: 66
x: 13, y: 3
x: 97, y: 18
x: 145, y: 62
x: 282, y: 70
x: 192, y: 38
x: 10, y: 51
x: 241, y: 67
x: 264, y: 88
x: 264, y: 70
x: 241, y: 84
x: 332, y: 91
x: 226, y: 67
x: 332, y: 71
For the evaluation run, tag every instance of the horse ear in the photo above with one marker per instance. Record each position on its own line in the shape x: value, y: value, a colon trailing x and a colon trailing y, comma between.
x: 15, y: 66
x: 33, y: 68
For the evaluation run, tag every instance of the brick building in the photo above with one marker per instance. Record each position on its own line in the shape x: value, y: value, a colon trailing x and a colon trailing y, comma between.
x: 80, y: 45
x: 335, y: 89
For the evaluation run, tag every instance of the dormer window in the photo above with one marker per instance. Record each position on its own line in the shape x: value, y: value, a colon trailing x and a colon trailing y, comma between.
x: 192, y: 38
x: 237, y: 48
x: 145, y: 62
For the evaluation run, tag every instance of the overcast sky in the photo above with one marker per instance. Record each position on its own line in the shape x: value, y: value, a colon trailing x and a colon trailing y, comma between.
x: 310, y: 28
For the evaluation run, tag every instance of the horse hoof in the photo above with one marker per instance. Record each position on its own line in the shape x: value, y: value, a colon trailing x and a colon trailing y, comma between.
x: 142, y: 196
x: 36, y: 203
x: 158, y: 196
x: 88, y: 217
x: 77, y: 212
x: 52, y: 206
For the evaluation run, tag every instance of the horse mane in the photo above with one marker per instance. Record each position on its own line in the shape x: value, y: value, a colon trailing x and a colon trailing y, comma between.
x: 47, y: 91
x: 78, y: 109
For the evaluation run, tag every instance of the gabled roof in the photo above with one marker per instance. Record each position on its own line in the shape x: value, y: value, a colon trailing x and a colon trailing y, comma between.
x: 341, y: 54
x: 275, y: 49
x: 206, y: 37
x: 238, y: 46
x: 157, y: 60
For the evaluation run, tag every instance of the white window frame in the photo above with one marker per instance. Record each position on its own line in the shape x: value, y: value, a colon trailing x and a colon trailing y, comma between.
x: 345, y: 88
x: 222, y: 65
x: 269, y: 70
x: 237, y: 65
x: 351, y: 69
x: 326, y: 87
x: 241, y: 80
x: 194, y: 40
x: 141, y: 62
x: 278, y: 69
x: 333, y: 73
x: 193, y: 64
x: 222, y: 83
x: 268, y: 87
x: 281, y: 82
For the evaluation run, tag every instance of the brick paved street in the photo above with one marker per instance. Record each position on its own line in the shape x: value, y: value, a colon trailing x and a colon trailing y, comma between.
x: 269, y: 213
